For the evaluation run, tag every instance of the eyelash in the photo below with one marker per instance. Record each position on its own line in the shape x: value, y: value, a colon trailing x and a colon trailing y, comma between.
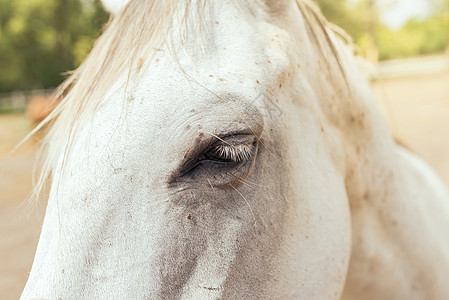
x: 230, y: 153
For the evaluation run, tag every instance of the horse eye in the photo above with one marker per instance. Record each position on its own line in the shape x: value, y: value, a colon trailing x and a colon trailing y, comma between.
x: 224, y: 153
x: 229, y: 153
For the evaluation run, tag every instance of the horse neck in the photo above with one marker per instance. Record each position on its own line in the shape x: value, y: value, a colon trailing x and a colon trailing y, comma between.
x: 394, y: 198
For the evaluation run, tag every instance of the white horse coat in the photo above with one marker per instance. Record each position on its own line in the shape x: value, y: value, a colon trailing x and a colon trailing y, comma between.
x: 228, y: 150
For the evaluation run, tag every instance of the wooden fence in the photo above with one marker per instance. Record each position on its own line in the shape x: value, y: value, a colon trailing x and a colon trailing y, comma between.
x: 413, y: 66
x: 17, y: 101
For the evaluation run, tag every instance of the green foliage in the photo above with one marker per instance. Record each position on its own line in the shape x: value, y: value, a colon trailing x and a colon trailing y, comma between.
x: 41, y: 39
x: 351, y: 17
x: 414, y: 38
x: 417, y: 37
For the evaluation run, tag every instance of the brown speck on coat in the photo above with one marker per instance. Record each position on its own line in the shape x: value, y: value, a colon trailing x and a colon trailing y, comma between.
x: 140, y: 63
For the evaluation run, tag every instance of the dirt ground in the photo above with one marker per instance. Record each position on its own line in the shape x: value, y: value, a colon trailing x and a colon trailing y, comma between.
x: 416, y: 109
x: 19, y: 232
x: 417, y: 113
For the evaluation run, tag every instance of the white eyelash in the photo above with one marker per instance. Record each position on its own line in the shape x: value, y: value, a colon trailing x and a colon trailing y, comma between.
x: 236, y: 153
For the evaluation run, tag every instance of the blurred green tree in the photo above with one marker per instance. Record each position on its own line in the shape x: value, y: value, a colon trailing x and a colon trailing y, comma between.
x: 359, y: 19
x: 348, y: 15
x: 417, y: 37
x: 41, y: 39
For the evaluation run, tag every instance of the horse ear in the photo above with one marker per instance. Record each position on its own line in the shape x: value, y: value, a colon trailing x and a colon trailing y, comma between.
x: 115, y: 6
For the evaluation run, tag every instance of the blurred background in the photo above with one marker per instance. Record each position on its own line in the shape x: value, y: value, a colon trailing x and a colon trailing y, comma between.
x: 406, y: 42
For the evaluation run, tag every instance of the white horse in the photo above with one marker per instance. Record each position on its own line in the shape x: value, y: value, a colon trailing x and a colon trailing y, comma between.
x: 232, y: 150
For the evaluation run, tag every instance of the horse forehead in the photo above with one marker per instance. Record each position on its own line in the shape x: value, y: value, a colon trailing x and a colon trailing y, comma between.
x: 230, y: 41
x: 236, y: 59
